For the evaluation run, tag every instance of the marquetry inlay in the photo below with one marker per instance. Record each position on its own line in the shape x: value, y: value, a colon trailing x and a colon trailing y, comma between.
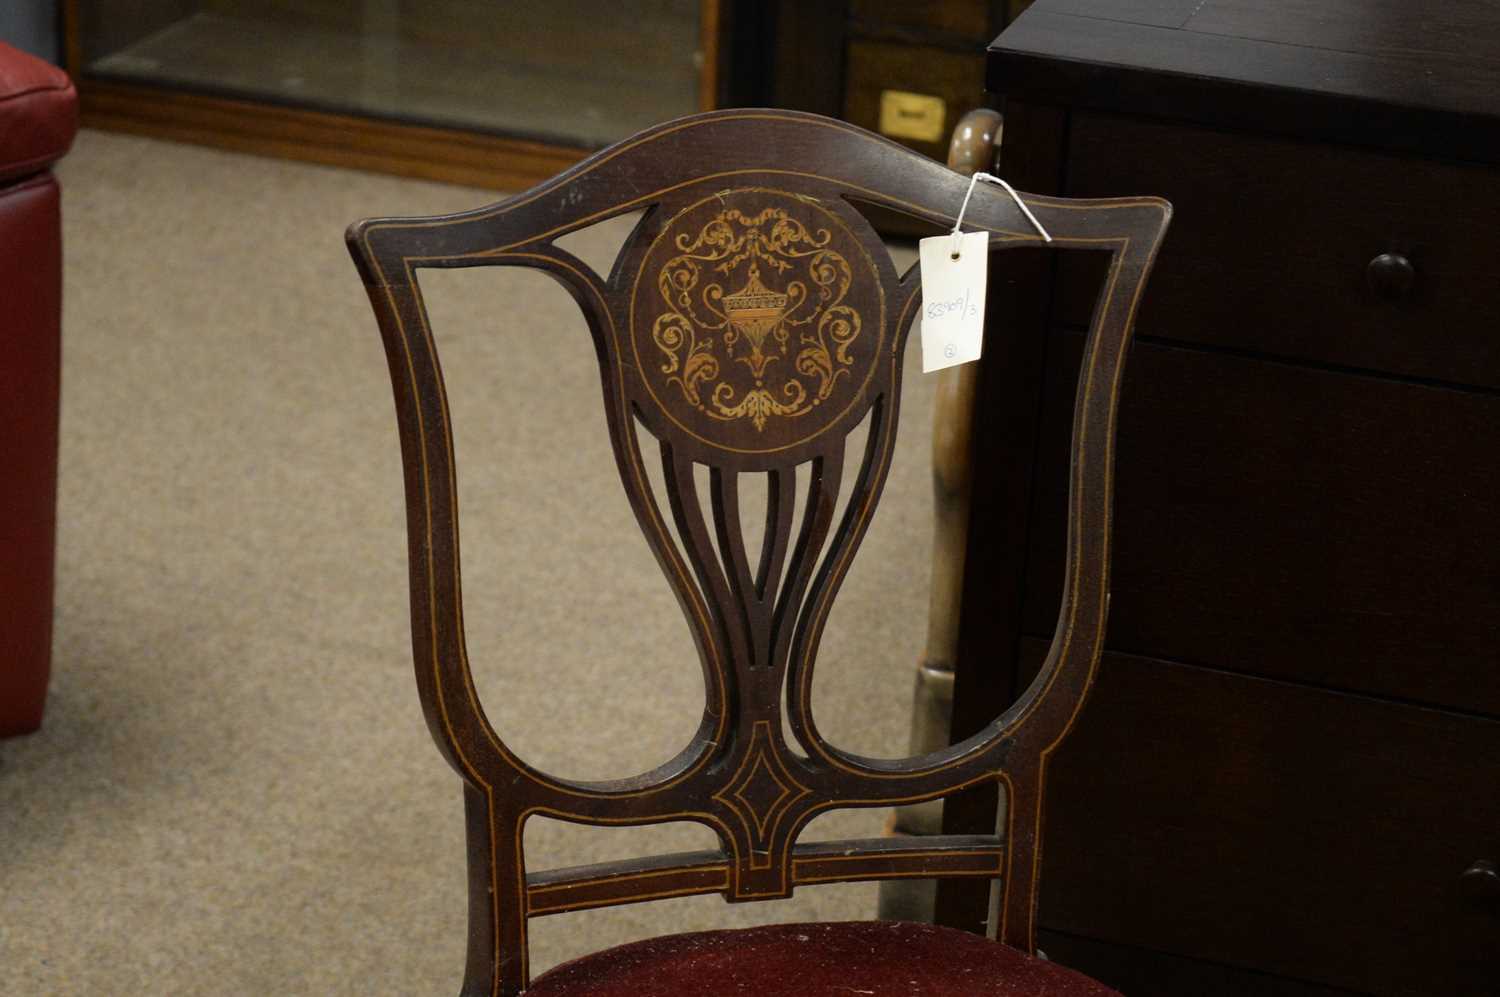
x: 755, y: 309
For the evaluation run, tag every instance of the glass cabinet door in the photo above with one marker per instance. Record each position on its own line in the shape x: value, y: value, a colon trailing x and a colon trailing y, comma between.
x: 580, y: 73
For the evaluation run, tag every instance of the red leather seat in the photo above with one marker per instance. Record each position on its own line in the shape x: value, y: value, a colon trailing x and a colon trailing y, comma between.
x: 880, y: 958
x: 38, y: 118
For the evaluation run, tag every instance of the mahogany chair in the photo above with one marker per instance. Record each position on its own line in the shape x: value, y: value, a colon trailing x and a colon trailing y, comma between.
x: 750, y: 323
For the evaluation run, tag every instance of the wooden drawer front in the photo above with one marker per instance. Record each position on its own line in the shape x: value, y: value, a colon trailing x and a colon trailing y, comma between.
x: 1293, y: 523
x: 874, y: 67
x: 1256, y: 823
x: 1271, y: 239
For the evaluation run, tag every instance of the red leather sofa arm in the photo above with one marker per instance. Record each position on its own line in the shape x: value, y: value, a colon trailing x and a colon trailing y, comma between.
x: 38, y: 118
x: 38, y: 113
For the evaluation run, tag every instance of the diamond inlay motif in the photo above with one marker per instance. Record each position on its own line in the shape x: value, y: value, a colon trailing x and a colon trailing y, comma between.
x: 763, y: 789
x: 761, y: 792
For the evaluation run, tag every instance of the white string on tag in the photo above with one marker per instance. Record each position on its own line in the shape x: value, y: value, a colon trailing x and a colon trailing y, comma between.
x: 990, y: 178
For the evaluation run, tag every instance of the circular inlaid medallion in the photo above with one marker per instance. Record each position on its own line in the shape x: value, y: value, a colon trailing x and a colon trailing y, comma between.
x: 756, y: 320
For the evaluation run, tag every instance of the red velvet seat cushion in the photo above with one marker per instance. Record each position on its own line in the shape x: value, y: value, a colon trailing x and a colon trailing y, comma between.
x: 841, y: 959
x: 38, y: 113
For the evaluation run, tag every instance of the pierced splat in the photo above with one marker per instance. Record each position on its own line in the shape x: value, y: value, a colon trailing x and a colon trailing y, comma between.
x: 761, y: 329
x: 750, y: 324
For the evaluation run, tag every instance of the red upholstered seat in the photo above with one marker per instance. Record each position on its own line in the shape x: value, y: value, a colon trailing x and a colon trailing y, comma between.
x: 880, y: 958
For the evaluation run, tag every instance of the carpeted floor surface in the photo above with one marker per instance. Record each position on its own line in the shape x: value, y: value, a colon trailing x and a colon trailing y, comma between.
x: 234, y: 792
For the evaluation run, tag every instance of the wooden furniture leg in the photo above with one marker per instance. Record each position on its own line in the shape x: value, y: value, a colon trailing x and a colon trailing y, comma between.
x: 975, y: 146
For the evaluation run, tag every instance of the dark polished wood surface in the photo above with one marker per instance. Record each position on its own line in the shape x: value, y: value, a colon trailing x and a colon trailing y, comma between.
x: 1390, y: 73
x: 1292, y: 751
x: 1302, y: 808
x: 751, y: 323
x: 1298, y: 523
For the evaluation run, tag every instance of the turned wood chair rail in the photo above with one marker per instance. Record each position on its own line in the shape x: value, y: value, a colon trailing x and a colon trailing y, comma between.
x: 751, y: 322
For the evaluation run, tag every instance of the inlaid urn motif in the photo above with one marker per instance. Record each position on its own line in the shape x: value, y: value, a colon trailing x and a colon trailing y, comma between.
x: 753, y: 312
x: 750, y: 311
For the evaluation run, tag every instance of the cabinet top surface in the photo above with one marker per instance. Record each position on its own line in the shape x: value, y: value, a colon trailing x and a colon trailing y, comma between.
x: 1418, y: 74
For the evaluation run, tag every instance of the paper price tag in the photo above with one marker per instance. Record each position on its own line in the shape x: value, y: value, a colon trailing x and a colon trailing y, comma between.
x: 953, y: 298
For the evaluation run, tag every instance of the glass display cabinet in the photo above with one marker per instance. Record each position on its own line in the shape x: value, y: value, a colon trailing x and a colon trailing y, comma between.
x: 501, y: 94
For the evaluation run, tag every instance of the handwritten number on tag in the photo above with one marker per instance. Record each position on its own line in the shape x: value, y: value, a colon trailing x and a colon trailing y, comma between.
x: 959, y: 306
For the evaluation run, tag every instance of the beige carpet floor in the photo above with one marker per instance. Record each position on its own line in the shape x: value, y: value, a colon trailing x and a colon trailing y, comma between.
x: 234, y: 792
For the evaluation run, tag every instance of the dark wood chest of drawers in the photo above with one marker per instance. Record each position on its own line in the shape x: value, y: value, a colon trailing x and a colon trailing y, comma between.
x: 1292, y: 756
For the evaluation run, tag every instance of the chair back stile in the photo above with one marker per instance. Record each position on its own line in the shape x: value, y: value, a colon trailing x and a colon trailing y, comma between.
x: 751, y: 322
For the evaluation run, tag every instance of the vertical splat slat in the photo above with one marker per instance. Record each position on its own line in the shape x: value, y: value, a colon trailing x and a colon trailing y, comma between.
x: 817, y: 514
x: 830, y: 572
x: 724, y: 493
x: 781, y: 505
x: 687, y: 513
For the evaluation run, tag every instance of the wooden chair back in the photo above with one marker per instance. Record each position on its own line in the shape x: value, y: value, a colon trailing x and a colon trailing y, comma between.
x: 750, y: 323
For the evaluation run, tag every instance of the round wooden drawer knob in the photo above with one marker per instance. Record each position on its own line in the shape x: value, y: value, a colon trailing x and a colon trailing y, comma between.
x: 1481, y: 881
x: 1391, y: 276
